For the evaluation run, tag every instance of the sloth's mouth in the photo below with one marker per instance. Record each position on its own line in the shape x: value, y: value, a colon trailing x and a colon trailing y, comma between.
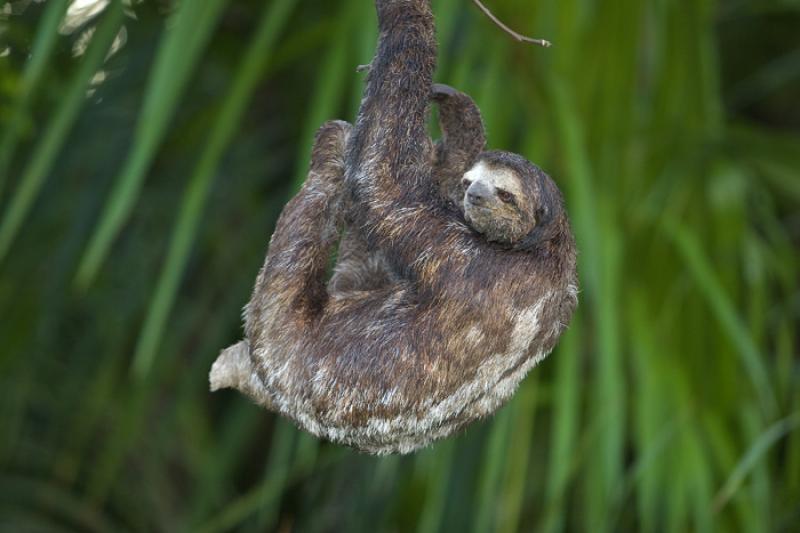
x: 478, y: 217
x: 482, y: 205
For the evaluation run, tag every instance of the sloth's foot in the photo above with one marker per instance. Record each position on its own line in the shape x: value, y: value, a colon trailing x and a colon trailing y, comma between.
x: 232, y: 368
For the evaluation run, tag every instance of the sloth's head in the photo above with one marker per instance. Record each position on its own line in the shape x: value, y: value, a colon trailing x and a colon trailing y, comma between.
x: 506, y: 197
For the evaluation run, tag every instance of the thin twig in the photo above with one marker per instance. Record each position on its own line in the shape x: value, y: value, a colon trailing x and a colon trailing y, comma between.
x: 519, y: 37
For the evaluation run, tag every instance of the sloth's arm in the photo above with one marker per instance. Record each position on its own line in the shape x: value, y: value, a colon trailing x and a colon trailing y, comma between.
x: 463, y: 133
x: 389, y: 163
x: 463, y: 140
x: 360, y: 267
x: 290, y: 287
x: 305, y: 234
x: 389, y: 147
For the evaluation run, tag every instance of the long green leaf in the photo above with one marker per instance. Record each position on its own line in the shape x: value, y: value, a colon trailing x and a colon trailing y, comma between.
x: 264, y: 495
x: 51, y: 143
x: 725, y: 312
x: 754, y: 454
x: 196, y: 195
x: 43, y: 46
x: 493, y: 461
x: 180, y: 51
x: 440, y: 460
x: 564, y: 428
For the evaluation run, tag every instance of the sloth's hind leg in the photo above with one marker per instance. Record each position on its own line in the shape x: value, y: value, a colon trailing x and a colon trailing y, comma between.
x: 234, y: 369
x: 231, y: 367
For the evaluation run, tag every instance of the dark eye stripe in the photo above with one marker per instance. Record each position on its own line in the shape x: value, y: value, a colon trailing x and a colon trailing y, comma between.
x: 505, y: 196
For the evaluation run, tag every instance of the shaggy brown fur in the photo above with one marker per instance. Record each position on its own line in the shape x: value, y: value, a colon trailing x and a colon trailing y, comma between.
x: 396, y: 367
x: 360, y: 268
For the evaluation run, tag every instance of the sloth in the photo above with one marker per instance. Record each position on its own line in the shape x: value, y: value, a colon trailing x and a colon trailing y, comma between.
x: 481, y: 280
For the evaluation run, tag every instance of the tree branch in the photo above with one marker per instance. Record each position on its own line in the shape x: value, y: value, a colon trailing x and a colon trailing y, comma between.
x: 519, y: 37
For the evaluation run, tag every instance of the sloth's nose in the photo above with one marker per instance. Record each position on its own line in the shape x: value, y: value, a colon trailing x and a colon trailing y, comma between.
x: 478, y: 193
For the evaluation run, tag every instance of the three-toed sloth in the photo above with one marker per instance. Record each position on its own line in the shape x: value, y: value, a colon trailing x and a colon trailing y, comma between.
x: 456, y: 270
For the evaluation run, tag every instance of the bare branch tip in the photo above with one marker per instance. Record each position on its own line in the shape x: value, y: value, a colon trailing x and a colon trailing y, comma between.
x: 516, y: 36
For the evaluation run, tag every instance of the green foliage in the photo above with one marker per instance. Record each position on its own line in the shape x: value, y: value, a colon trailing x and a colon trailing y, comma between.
x: 140, y: 181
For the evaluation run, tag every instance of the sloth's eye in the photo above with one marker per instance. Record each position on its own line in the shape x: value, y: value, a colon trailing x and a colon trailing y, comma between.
x: 466, y: 183
x: 505, y: 196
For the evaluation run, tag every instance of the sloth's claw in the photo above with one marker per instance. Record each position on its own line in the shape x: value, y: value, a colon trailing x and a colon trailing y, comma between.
x: 440, y: 91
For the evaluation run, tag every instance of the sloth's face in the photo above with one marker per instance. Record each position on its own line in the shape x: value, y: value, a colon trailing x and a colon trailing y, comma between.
x: 498, y: 202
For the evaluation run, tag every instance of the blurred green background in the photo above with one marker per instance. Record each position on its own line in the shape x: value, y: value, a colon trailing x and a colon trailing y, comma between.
x: 146, y: 150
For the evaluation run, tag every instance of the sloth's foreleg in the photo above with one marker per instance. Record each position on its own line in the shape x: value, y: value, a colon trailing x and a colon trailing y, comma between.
x: 290, y: 288
x: 293, y: 277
